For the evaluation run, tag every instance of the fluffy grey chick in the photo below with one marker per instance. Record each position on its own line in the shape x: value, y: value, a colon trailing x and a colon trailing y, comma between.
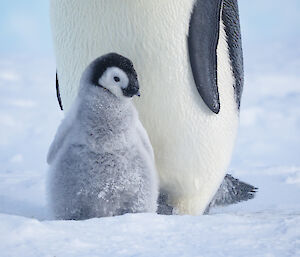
x: 101, y: 160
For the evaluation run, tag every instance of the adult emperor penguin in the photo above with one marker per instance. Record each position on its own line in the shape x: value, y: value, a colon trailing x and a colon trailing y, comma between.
x: 189, y: 57
x: 101, y: 160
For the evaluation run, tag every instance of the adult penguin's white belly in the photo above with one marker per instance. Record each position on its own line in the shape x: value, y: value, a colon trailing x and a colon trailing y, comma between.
x: 192, y: 144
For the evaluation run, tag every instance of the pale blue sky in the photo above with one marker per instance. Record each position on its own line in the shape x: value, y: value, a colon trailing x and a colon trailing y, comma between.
x: 271, y: 35
x: 24, y: 27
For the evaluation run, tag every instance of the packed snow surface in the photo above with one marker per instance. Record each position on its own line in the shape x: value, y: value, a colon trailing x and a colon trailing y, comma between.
x: 255, y: 234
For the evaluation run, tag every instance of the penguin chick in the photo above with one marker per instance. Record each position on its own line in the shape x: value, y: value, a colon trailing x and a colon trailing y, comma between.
x: 101, y: 160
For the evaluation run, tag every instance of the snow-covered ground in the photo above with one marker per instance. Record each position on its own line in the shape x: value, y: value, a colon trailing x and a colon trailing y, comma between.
x: 269, y: 225
x: 253, y: 234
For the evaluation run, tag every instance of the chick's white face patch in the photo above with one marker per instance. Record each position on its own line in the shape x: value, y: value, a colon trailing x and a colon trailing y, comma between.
x: 114, y: 79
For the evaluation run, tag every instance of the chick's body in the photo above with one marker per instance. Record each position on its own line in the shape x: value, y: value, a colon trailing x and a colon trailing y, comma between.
x: 101, y: 160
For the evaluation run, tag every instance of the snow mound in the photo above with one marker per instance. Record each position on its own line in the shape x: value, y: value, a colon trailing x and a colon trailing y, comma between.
x: 254, y: 234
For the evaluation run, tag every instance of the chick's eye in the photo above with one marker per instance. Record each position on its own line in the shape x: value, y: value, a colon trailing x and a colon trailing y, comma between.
x: 117, y: 79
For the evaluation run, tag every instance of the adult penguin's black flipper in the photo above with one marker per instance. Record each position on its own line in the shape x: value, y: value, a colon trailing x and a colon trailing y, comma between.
x: 58, y: 94
x: 231, y: 21
x: 203, y: 40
